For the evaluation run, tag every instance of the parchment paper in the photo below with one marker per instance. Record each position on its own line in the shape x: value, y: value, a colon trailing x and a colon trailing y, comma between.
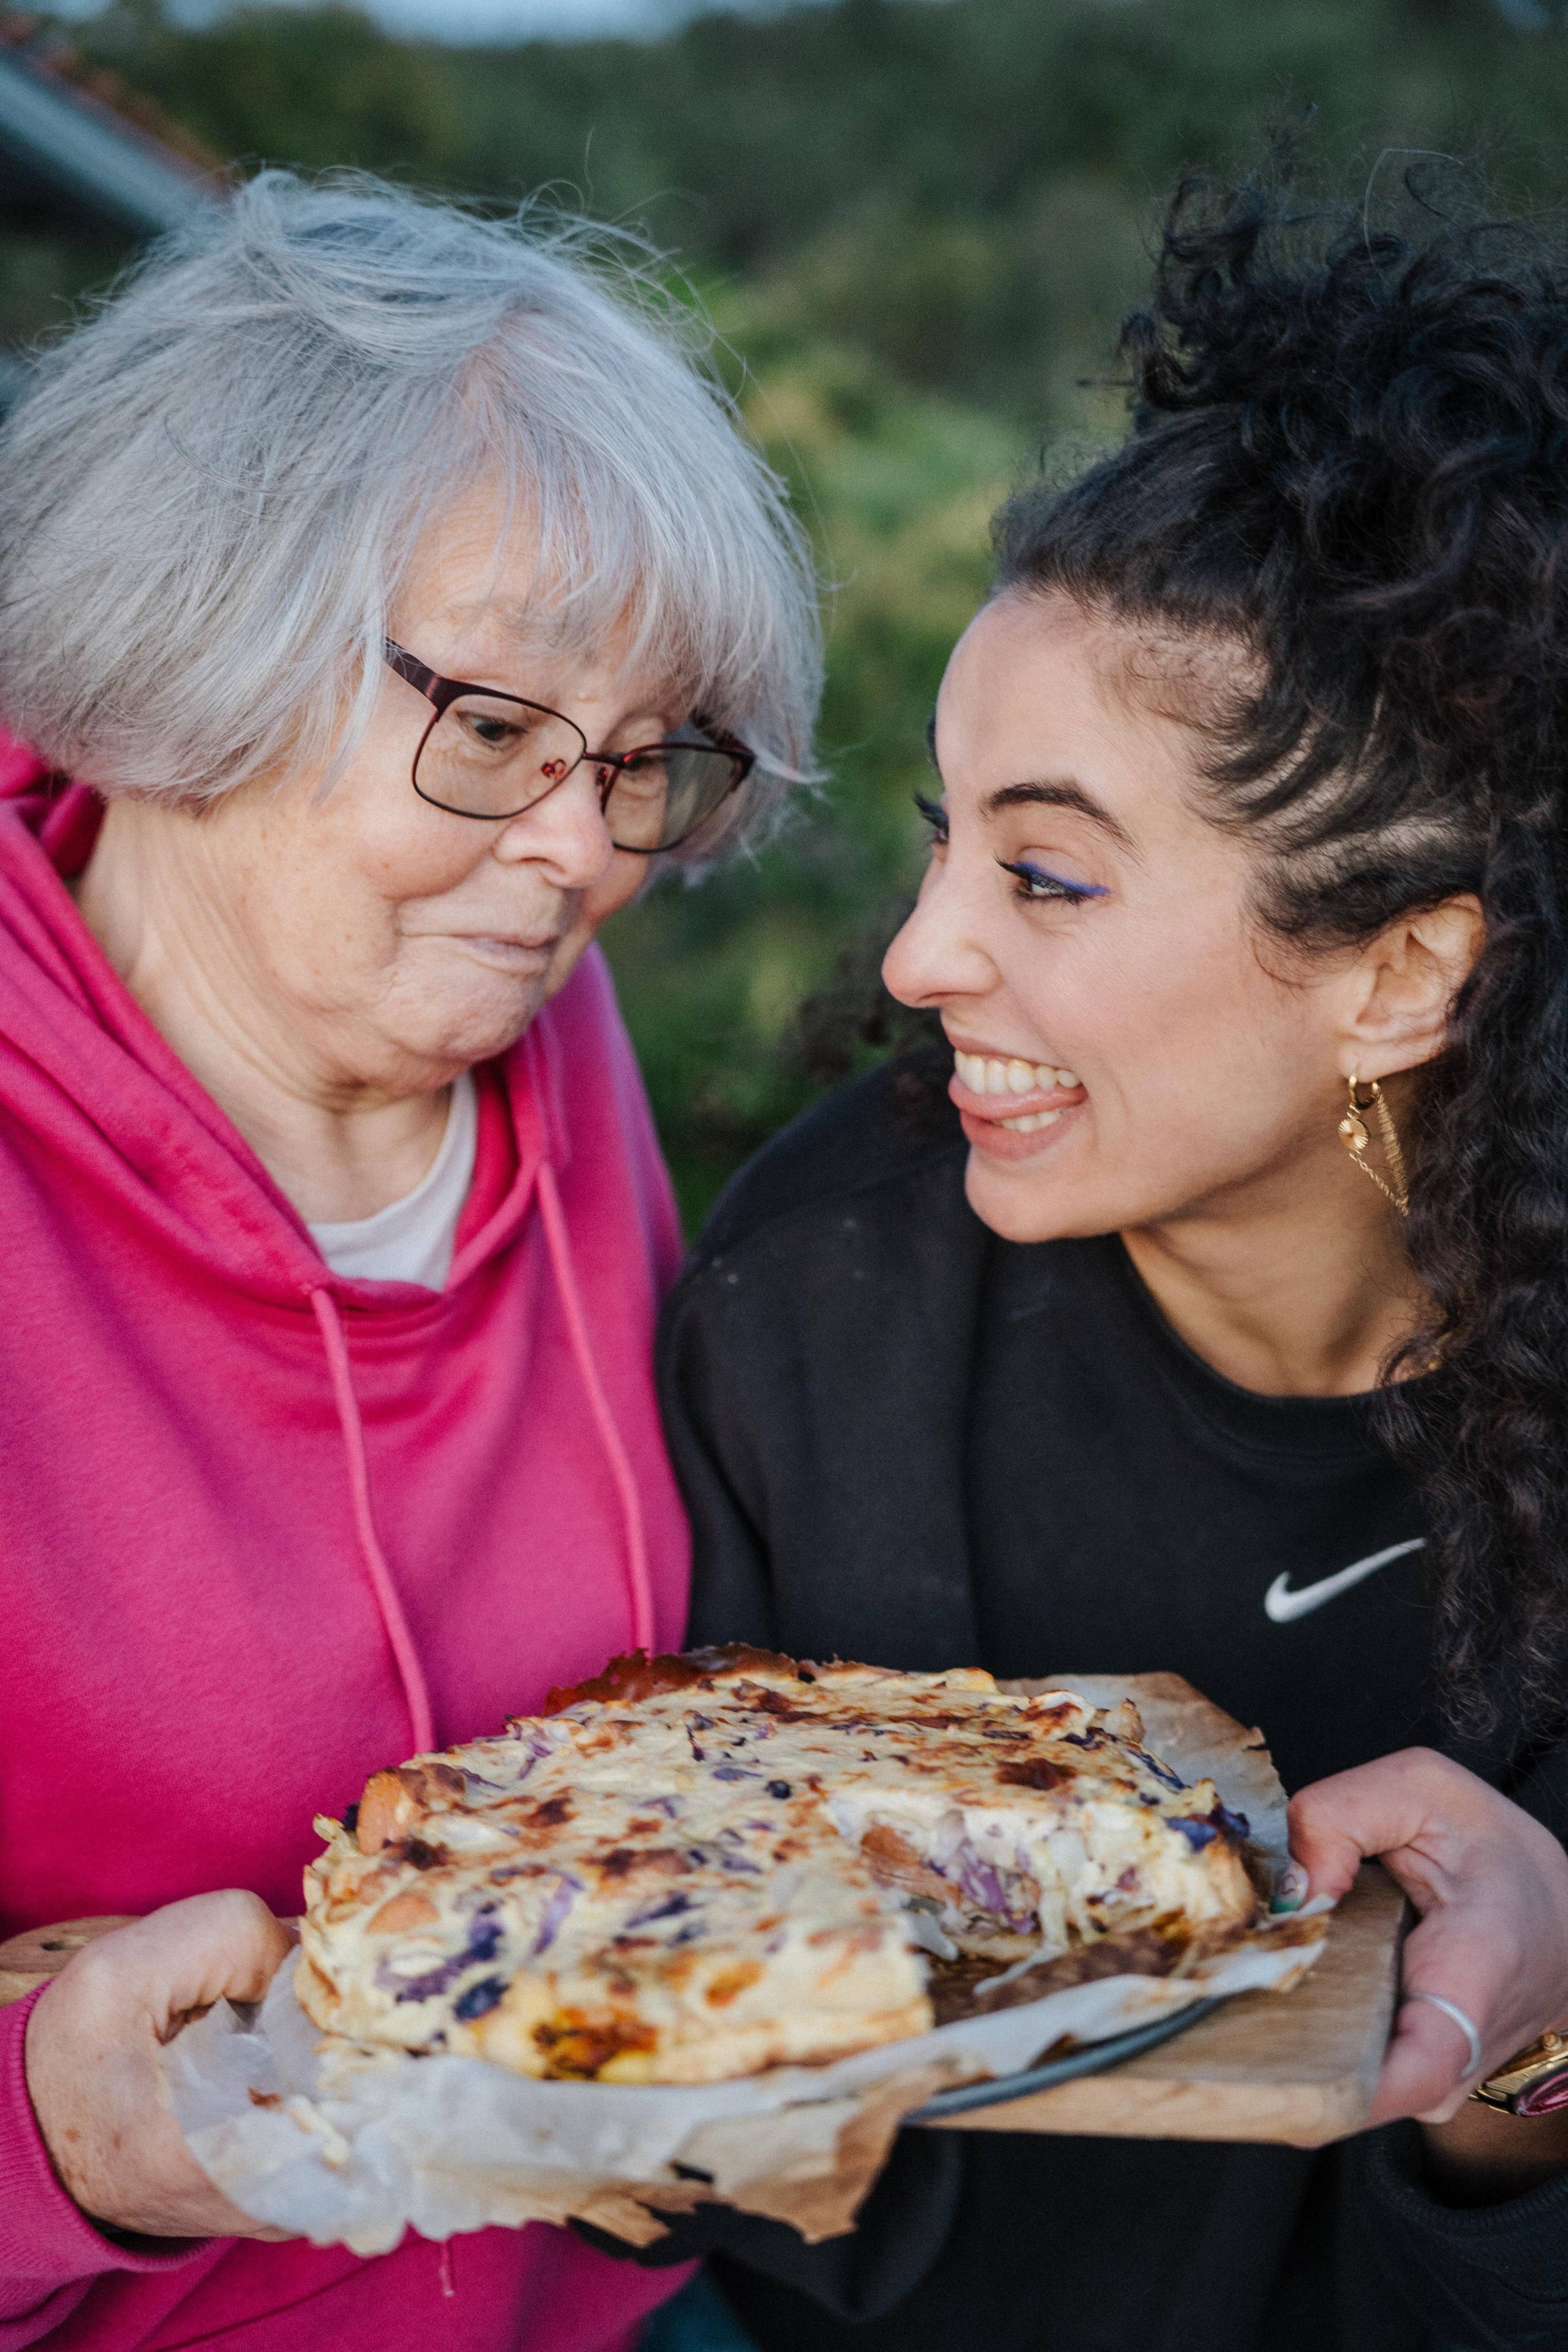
x: 346, y: 2145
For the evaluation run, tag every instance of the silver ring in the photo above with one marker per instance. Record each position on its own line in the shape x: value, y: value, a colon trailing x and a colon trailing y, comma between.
x: 1450, y: 2009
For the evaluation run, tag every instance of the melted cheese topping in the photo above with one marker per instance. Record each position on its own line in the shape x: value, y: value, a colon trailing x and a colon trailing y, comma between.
x: 744, y: 1863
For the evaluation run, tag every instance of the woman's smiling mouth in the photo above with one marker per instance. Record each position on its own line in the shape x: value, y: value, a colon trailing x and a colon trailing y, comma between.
x: 1037, y: 1095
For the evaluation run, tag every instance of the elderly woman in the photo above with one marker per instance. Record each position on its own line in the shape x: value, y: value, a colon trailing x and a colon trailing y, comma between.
x: 395, y: 588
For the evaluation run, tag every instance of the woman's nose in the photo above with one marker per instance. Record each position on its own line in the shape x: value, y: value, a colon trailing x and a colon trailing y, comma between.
x: 936, y: 956
x: 565, y: 834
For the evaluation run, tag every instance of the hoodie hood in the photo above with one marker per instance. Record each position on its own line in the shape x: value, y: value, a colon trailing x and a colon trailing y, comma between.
x: 83, y: 1063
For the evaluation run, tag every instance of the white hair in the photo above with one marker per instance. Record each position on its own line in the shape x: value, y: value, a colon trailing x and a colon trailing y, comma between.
x: 212, y: 489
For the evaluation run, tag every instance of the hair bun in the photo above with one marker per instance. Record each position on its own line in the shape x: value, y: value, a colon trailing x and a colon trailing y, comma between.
x: 1394, y: 419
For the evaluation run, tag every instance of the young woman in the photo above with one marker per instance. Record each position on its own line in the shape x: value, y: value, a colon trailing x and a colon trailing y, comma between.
x: 1219, y: 1320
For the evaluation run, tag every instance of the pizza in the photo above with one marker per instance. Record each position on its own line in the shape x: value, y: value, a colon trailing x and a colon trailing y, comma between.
x: 695, y: 1867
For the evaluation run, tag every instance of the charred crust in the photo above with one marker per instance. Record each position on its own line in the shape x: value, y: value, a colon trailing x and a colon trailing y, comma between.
x: 1032, y: 1772
x: 577, y: 2047
x: 379, y: 1811
x: 623, y: 1861
x: 551, y: 1813
x: 635, y: 1674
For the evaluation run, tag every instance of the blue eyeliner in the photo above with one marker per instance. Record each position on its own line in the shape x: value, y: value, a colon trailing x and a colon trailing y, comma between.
x: 1051, y: 886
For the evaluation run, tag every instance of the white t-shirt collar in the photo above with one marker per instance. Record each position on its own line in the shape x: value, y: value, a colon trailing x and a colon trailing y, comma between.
x: 412, y: 1240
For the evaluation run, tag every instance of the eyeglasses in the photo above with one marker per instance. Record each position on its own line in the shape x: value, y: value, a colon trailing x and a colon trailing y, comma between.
x: 492, y: 756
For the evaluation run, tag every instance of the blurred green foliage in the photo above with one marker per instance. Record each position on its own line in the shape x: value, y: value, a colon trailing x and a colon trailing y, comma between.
x: 917, y: 223
x: 899, y: 485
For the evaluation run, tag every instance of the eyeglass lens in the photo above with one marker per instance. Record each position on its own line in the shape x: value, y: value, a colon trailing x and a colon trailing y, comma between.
x: 488, y: 756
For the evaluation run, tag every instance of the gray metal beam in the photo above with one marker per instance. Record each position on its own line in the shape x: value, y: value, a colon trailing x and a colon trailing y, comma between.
x: 73, y: 144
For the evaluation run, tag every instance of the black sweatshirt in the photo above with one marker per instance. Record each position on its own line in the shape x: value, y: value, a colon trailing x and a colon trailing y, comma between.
x: 905, y: 1441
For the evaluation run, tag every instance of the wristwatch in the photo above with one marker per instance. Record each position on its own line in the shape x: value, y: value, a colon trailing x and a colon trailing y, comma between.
x: 1533, y: 2082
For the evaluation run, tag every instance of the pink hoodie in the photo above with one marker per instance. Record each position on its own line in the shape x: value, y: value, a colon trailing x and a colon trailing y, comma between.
x: 263, y: 1531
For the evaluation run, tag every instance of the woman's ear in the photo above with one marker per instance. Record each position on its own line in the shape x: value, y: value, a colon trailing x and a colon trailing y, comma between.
x: 1403, y: 987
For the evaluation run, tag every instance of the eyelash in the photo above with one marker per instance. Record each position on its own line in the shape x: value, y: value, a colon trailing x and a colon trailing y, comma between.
x: 1034, y: 883
x: 933, y: 813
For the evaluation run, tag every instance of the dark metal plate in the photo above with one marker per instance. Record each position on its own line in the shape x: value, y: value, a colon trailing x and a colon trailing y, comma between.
x: 1094, y: 2058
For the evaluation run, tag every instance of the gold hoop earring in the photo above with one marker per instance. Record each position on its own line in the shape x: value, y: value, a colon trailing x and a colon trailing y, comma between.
x: 1356, y: 1136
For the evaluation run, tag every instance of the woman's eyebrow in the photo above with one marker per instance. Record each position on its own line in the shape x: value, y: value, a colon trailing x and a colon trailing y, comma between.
x: 1065, y: 794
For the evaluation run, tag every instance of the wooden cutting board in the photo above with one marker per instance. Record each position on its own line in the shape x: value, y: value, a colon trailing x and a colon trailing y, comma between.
x: 1297, y: 2066
x: 30, y: 1960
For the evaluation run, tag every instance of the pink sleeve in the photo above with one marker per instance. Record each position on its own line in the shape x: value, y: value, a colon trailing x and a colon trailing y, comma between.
x: 49, y: 2253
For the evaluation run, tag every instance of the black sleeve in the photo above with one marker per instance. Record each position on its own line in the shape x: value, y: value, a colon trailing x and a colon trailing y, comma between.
x: 1477, y: 2276
x: 1489, y: 2274
x: 732, y: 1599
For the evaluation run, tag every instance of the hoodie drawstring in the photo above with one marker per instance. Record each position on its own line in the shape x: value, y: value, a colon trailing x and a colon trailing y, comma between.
x: 558, y: 1243
x: 411, y: 1674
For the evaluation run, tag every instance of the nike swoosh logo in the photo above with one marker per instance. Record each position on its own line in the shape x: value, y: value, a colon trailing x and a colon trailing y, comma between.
x: 1282, y: 1604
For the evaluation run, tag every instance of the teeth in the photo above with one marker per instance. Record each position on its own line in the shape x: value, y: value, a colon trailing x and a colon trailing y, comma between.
x: 986, y: 1074
x: 1032, y: 1124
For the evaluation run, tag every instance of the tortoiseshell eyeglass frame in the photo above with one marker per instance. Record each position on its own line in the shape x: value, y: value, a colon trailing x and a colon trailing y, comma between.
x: 441, y: 692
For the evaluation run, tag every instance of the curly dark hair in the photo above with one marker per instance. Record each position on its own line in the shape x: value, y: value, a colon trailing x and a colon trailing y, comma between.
x: 1350, y: 458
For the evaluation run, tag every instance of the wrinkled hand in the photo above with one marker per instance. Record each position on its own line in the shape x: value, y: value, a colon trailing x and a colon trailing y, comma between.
x: 1491, y: 1886
x: 93, y: 2039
